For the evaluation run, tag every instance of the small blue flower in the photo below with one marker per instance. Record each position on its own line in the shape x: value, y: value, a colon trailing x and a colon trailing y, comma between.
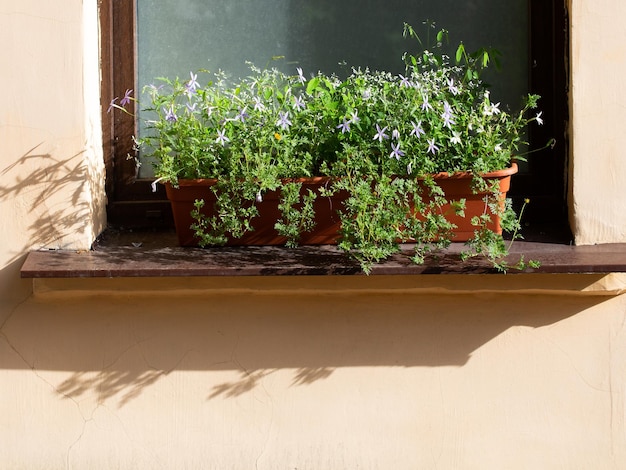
x: 221, y: 137
x: 447, y: 116
x: 298, y: 103
x: 344, y: 126
x: 126, y: 98
x: 242, y: 115
x: 396, y: 152
x: 192, y: 84
x: 417, y: 130
x: 432, y: 148
x: 448, y: 121
x: 380, y: 133
x: 404, y: 82
x: 170, y: 115
x: 283, y: 120
x: 425, y: 104
x: 112, y: 105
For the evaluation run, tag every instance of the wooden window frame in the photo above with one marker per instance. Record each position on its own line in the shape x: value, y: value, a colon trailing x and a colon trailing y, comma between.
x: 132, y: 204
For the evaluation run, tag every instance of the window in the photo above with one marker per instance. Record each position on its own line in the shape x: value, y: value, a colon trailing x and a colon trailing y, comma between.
x: 129, y: 49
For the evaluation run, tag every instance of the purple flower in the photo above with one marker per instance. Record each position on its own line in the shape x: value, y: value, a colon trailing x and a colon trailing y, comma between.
x: 425, y: 104
x: 126, y: 98
x: 432, y: 148
x: 298, y: 103
x: 191, y: 107
x: 192, y: 84
x: 354, y: 118
x: 344, y: 126
x: 396, y: 152
x: 395, y: 134
x: 112, y: 105
x: 170, y: 115
x: 447, y: 120
x: 283, y: 120
x: 447, y: 116
x: 380, y: 133
x: 404, y: 82
x: 221, y: 137
x: 243, y: 115
x: 417, y: 130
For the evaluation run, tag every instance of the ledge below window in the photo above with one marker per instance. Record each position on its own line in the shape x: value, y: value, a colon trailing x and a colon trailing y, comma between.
x: 156, y: 255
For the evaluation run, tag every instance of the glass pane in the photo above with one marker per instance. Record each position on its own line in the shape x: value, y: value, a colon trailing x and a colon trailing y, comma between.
x: 176, y: 37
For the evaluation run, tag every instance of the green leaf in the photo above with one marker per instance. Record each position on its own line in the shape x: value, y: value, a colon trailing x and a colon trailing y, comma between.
x: 312, y: 85
x: 460, y: 51
x: 485, y: 59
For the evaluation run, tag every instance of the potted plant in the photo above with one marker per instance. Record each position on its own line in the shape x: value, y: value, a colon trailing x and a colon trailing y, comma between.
x: 386, y: 146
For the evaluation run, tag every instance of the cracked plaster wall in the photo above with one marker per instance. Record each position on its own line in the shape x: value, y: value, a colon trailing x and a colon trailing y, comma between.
x: 215, y: 379
x: 135, y: 380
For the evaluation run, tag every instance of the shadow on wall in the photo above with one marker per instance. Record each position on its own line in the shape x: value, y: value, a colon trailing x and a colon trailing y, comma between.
x: 118, y: 346
x: 42, y: 206
x: 50, y: 194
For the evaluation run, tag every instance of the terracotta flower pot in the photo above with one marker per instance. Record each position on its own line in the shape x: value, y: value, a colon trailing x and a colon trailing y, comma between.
x: 325, y: 232
x: 459, y: 186
x: 456, y: 186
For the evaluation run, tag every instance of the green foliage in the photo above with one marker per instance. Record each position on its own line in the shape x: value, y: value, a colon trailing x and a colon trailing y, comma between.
x: 378, y: 135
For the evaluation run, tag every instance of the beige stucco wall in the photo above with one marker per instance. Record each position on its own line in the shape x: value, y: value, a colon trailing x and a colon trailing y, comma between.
x: 598, y: 165
x: 292, y: 373
x: 51, y: 170
x: 404, y: 373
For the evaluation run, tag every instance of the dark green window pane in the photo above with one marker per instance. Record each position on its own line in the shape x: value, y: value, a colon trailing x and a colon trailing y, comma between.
x: 176, y: 37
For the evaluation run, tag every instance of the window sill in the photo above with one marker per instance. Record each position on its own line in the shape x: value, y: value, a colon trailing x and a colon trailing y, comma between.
x: 156, y: 255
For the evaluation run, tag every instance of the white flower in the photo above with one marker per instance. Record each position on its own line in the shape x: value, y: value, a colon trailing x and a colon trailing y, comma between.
x: 495, y: 109
x: 538, y: 118
x: 456, y: 138
x: 453, y: 89
x: 301, y: 77
x: 258, y: 104
x: 221, y: 137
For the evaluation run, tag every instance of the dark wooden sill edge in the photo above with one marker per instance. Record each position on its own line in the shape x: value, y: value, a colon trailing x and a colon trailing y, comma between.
x: 146, y: 259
